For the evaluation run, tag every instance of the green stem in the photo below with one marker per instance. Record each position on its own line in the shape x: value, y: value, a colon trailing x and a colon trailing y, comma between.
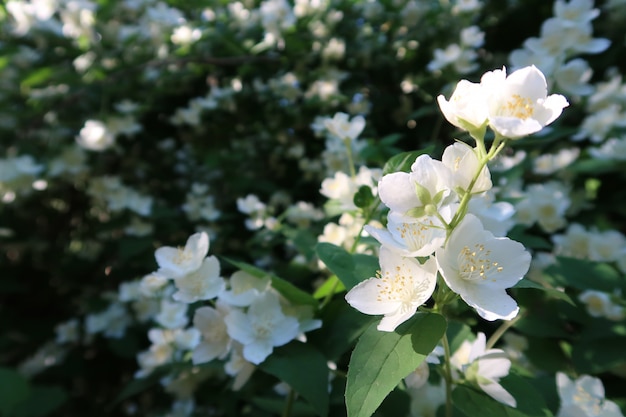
x: 447, y: 376
x: 289, y: 403
x: 500, y: 331
x: 498, y: 144
x: 348, y: 145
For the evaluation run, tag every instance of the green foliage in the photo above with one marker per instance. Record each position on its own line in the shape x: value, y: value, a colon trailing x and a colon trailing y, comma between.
x: 381, y: 359
x: 304, y: 369
x: 349, y: 268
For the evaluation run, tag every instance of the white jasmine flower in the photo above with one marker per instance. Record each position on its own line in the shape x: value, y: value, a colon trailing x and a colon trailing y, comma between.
x: 600, y: 304
x: 263, y: 327
x: 547, y: 164
x: 410, y: 237
x: 203, y: 284
x: 573, y: 243
x: 160, y: 352
x: 401, y: 286
x: 485, y: 367
x: 151, y: 284
x: 186, y: 339
x: 606, y: 246
x: 244, y: 288
x: 545, y: 204
x: 215, y: 342
x: 172, y: 315
x: 185, y: 35
x: 177, y: 262
x: 584, y: 397
x: 612, y: 149
x: 480, y: 267
x: 95, y: 136
x: 467, y: 108
x: 462, y: 160
x: 343, y: 128
x: 575, y: 11
x: 573, y: 77
x: 428, y: 183
x: 518, y: 105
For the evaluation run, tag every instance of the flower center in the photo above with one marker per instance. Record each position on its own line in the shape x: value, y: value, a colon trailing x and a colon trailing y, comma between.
x: 474, y: 263
x: 182, y: 256
x: 413, y: 235
x: 399, y: 287
x: 520, y: 107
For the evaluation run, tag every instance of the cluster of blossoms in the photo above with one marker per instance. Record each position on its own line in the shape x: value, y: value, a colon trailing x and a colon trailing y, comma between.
x: 247, y: 318
x: 432, y: 229
x: 430, y: 213
x: 137, y: 114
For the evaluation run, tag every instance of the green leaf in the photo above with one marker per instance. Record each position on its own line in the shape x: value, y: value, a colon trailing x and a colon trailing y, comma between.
x: 286, y: 288
x: 304, y: 368
x: 381, y: 359
x: 37, y: 77
x: 529, y: 241
x: 526, y: 283
x: 600, y: 355
x: 343, y: 325
x: 585, y: 274
x: 402, y: 162
x: 42, y: 401
x: 331, y: 286
x: 350, y: 269
x: 14, y: 389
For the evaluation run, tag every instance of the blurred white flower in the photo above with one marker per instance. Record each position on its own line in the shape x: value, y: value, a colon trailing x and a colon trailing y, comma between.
x: 485, y: 367
x: 205, y: 283
x: 215, y: 342
x: 177, y: 262
x: 263, y: 327
x: 584, y: 397
x: 95, y: 136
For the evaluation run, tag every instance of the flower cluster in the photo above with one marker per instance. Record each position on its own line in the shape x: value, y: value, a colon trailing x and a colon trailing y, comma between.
x: 430, y: 216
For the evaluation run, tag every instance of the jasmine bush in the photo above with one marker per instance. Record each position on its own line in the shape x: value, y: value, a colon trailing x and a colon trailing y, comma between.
x: 312, y: 208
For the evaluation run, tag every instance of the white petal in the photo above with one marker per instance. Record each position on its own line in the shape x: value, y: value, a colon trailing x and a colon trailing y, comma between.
x: 398, y: 192
x: 364, y: 297
x: 495, y: 391
x: 239, y: 326
x: 490, y: 304
x: 257, y: 351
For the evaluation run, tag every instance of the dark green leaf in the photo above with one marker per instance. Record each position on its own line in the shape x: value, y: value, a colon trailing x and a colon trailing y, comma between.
x: 14, y: 388
x: 350, y: 269
x: 42, y: 401
x: 600, y: 355
x: 381, y: 359
x: 585, y: 274
x: 343, y: 325
x: 402, y: 162
x: 526, y: 283
x: 304, y: 368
